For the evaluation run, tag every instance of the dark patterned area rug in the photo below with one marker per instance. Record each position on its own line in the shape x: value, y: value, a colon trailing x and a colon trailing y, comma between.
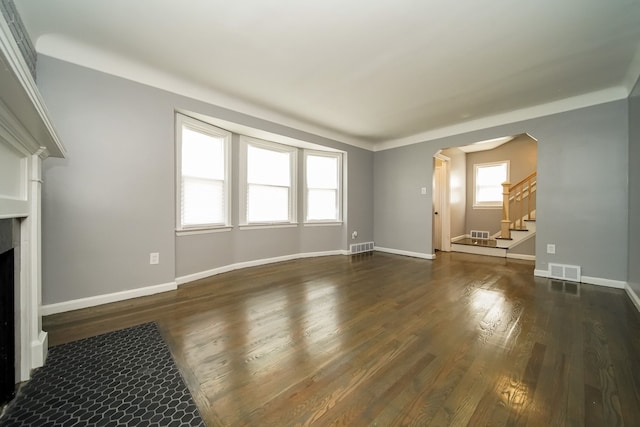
x: 123, y: 378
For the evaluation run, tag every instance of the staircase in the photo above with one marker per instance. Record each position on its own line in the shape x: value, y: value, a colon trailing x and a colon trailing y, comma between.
x: 518, y: 222
x: 520, y: 201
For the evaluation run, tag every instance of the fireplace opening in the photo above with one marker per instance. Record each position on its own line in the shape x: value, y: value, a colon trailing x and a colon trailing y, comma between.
x: 9, y: 240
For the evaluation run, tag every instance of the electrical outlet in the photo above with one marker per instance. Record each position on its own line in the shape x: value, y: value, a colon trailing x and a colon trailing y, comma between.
x: 354, y: 235
x: 423, y: 191
x: 551, y: 248
x: 154, y: 258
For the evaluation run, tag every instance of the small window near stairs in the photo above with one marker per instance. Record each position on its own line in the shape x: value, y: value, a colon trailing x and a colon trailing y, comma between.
x: 487, y: 184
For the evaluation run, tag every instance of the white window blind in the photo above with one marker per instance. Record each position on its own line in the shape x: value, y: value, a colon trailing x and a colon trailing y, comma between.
x: 203, y: 174
x: 270, y: 178
x: 323, y: 177
x: 488, y: 183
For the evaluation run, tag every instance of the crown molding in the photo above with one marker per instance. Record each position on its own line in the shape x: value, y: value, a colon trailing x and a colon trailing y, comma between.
x: 77, y: 53
x: 555, y: 107
x: 24, y: 114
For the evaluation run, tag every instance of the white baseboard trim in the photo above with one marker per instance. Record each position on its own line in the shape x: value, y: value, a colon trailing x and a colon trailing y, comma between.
x: 635, y: 299
x: 521, y: 256
x: 405, y: 253
x: 460, y: 237
x: 77, y: 304
x: 604, y: 282
x: 541, y: 273
x: 39, y: 350
x: 34, y: 357
x: 226, y: 268
x: 324, y: 253
x: 617, y: 284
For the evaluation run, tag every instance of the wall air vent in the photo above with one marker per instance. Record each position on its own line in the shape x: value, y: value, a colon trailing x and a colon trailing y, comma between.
x: 481, y: 235
x: 358, y: 248
x: 565, y: 272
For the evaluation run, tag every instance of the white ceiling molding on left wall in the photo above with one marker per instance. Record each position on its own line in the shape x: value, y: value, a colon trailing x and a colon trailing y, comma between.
x: 78, y: 53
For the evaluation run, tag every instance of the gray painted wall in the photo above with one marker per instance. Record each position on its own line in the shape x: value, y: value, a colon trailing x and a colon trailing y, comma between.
x: 634, y: 191
x: 582, y: 188
x: 522, y: 155
x: 457, y: 190
x: 112, y: 201
x: 402, y: 214
x: 526, y: 247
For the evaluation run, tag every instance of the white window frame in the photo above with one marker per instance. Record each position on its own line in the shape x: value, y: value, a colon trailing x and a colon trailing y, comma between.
x: 339, y: 195
x: 487, y: 205
x: 205, y: 128
x: 245, y: 141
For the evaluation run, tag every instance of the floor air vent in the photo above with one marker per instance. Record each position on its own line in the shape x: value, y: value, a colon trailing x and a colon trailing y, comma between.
x: 565, y: 272
x: 482, y: 235
x: 358, y: 248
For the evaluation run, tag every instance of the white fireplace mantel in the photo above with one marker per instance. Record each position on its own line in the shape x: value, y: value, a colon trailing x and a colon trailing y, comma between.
x: 27, y: 137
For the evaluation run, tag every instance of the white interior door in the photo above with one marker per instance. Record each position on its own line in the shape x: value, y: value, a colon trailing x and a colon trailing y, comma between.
x: 441, y: 204
x: 437, y: 205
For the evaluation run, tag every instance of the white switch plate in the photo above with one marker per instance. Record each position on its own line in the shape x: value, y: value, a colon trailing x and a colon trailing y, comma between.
x: 551, y: 249
x: 423, y: 190
x: 154, y: 258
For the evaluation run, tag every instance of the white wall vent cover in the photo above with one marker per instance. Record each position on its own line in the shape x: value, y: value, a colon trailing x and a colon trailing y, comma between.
x: 358, y: 248
x: 482, y: 235
x: 565, y: 272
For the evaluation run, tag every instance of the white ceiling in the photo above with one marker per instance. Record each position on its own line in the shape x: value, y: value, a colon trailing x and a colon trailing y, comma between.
x: 489, y: 144
x: 366, y: 72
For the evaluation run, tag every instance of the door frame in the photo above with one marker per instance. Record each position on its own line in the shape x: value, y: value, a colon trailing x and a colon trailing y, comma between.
x: 445, y: 202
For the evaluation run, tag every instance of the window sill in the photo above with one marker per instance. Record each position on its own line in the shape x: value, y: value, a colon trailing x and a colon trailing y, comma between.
x: 202, y: 230
x: 323, y: 224
x: 487, y: 206
x: 272, y: 225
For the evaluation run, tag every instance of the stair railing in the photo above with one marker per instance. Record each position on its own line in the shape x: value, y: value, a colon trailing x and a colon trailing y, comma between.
x: 518, y: 200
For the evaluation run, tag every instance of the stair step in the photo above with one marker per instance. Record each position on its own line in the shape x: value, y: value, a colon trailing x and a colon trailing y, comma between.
x: 488, y: 243
x: 479, y: 250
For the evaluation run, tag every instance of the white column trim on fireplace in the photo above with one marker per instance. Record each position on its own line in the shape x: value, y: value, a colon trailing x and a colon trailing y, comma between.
x: 33, y: 340
x: 38, y: 337
x: 27, y: 137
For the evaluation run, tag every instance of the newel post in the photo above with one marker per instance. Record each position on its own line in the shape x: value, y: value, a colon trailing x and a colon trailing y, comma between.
x: 505, y: 224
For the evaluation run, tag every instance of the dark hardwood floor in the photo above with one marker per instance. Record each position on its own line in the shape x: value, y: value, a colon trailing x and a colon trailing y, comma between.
x: 389, y: 340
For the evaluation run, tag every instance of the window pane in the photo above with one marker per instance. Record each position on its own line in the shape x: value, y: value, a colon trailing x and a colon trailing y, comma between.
x: 202, y: 201
x: 322, y: 172
x: 489, y: 181
x: 489, y: 194
x: 268, y: 167
x: 202, y: 155
x: 267, y: 204
x: 492, y: 175
x: 322, y: 205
